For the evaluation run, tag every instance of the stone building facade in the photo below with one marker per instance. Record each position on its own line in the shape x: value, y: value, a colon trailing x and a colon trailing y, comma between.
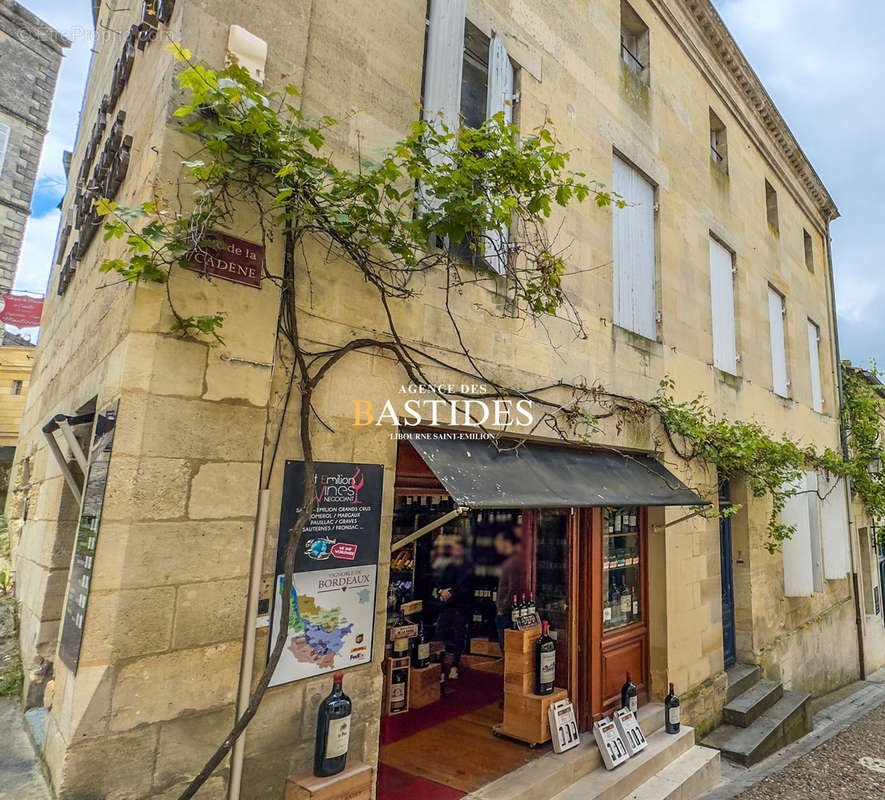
x: 680, y: 115
x: 31, y: 52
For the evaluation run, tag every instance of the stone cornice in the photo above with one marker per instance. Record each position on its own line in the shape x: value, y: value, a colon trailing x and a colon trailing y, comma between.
x: 730, y: 58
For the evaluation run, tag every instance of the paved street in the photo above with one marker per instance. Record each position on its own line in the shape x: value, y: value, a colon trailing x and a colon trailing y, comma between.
x: 20, y: 776
x: 851, y: 765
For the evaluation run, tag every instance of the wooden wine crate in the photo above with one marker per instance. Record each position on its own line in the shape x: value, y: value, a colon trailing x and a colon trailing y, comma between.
x: 525, y: 716
x: 392, y: 664
x: 483, y: 647
x: 519, y: 663
x: 424, y: 686
x: 520, y: 641
x: 354, y: 782
x: 519, y: 682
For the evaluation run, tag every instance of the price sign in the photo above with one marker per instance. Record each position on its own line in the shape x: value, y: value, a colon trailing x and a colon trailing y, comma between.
x: 631, y: 734
x: 563, y: 726
x: 610, y: 745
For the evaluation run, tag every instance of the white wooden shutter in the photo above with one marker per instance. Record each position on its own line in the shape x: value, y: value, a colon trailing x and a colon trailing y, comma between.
x: 722, y: 308
x: 817, y: 399
x: 778, y: 343
x: 798, y: 570
x: 634, y: 252
x: 817, y: 567
x: 834, y: 524
x: 5, y: 130
x: 499, y: 98
x: 443, y: 62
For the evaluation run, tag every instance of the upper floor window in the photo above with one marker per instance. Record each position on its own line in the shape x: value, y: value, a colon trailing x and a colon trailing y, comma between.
x: 722, y: 307
x: 5, y: 130
x: 634, y: 43
x: 468, y: 78
x: 718, y: 142
x: 817, y: 398
x: 771, y: 207
x: 809, y: 250
x: 634, y: 251
x: 17, y: 387
x: 777, y: 310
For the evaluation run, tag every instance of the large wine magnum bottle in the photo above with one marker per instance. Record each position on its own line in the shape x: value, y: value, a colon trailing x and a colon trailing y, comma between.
x: 671, y: 712
x: 333, y: 731
x: 545, y: 661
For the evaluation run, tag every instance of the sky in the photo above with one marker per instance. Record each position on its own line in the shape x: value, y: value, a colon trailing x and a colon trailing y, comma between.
x: 821, y: 64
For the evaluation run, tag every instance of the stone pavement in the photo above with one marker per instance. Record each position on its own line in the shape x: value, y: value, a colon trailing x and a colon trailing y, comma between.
x: 843, y: 758
x: 20, y: 775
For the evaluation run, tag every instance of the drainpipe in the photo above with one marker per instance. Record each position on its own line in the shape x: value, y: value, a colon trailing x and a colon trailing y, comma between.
x: 843, y: 437
x: 239, y: 748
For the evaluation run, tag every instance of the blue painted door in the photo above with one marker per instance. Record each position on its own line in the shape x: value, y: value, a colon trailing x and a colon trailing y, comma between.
x: 727, y: 563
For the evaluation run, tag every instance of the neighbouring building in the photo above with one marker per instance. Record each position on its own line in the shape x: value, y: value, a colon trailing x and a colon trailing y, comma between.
x: 31, y: 53
x: 16, y: 363
x: 717, y: 274
x: 870, y: 559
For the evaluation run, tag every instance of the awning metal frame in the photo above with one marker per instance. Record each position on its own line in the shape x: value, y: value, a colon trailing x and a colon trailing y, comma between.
x: 63, y: 423
x: 430, y: 526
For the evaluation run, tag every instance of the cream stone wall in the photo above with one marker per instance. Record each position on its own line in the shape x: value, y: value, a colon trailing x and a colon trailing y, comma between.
x: 160, y: 665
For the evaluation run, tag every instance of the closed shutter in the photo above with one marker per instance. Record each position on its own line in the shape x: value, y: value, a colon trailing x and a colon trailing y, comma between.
x: 817, y: 399
x: 500, y: 98
x: 778, y: 343
x: 634, y: 252
x: 722, y: 307
x: 834, y: 524
x: 5, y: 130
x: 443, y: 62
x: 798, y: 571
x: 814, y: 520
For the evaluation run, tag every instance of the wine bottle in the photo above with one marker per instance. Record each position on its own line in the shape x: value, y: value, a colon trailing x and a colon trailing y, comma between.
x: 420, y: 649
x: 514, y: 611
x: 628, y: 695
x: 333, y: 731
x: 531, y: 610
x: 398, y: 690
x: 545, y: 661
x: 400, y: 647
x: 671, y: 712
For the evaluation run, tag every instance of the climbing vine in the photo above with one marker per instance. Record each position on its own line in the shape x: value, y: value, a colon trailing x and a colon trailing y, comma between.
x: 435, y: 203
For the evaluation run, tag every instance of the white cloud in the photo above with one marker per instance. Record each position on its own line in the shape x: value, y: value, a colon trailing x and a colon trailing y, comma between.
x: 35, y: 261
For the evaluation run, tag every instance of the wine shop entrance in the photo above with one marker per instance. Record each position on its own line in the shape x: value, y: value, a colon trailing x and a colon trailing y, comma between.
x: 469, y: 673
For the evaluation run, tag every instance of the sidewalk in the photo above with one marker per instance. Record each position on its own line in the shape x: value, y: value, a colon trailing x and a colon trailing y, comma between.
x: 854, y: 703
x: 20, y: 775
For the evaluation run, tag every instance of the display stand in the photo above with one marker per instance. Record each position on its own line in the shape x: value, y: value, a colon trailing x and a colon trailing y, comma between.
x: 354, y: 782
x: 525, y: 713
x: 424, y: 686
x: 392, y: 665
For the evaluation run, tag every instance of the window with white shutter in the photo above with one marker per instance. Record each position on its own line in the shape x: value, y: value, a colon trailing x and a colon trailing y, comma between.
x: 776, y: 313
x: 5, y: 131
x: 722, y: 308
x: 814, y: 529
x: 797, y: 553
x: 834, y: 528
x: 634, y: 251
x: 817, y: 398
x: 443, y: 61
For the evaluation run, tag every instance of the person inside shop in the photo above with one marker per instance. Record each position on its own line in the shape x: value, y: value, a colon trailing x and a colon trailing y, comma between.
x: 508, y: 543
x: 455, y: 598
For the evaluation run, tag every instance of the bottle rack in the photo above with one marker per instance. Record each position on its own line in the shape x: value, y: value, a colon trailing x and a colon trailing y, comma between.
x: 485, y: 525
x: 621, y: 574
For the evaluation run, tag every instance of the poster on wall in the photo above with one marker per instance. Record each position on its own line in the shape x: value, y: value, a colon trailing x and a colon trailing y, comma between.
x: 87, y: 537
x: 332, y: 610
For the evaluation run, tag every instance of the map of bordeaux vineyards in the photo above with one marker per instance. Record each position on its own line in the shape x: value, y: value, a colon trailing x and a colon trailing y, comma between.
x: 332, y: 610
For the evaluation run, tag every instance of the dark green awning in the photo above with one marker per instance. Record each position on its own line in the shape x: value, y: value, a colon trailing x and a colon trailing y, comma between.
x: 476, y: 474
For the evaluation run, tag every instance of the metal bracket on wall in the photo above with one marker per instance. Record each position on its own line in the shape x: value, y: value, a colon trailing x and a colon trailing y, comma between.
x: 63, y: 423
x: 432, y: 526
x: 676, y: 521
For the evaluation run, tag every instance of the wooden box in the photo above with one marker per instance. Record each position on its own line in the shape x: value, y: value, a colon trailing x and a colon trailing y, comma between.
x: 424, y: 686
x: 525, y: 716
x: 354, y: 782
x: 483, y: 647
x: 519, y: 682
x: 392, y: 664
x: 520, y: 641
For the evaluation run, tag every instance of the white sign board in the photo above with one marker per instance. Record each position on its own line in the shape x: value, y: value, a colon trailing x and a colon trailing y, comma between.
x: 563, y: 726
x: 611, y: 746
x: 631, y: 734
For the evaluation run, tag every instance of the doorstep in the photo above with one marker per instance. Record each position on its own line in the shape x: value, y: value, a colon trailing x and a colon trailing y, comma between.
x: 547, y: 776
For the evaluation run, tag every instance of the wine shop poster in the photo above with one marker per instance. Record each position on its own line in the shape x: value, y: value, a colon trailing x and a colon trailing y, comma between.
x: 332, y: 609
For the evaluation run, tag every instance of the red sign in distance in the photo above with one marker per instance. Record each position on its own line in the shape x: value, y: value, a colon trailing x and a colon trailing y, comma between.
x: 20, y: 310
x: 238, y: 261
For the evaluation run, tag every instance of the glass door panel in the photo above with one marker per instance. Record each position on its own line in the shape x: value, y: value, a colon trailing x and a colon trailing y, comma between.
x: 552, y: 583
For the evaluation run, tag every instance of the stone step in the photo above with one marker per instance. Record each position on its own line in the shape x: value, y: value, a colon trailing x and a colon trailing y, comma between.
x: 787, y: 720
x: 602, y: 784
x: 544, y: 777
x: 694, y: 773
x: 740, y: 678
x: 746, y: 708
